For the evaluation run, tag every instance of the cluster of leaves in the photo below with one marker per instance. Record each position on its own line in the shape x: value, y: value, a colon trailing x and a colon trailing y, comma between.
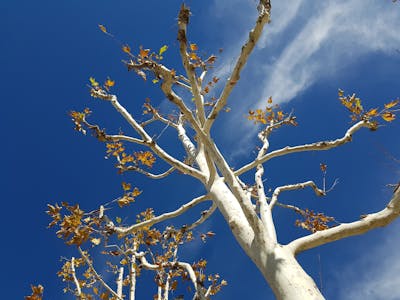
x: 37, y: 293
x: 129, y: 196
x: 161, y: 247
x: 197, y: 61
x: 270, y: 115
x: 313, y: 221
x: 354, y: 105
x: 75, y: 227
x: 216, y: 283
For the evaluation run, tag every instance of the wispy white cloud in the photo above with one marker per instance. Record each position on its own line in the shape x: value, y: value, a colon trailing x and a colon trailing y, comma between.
x: 305, y: 42
x: 375, y: 275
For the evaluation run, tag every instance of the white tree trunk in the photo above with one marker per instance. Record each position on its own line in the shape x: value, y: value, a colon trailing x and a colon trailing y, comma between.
x: 277, y: 263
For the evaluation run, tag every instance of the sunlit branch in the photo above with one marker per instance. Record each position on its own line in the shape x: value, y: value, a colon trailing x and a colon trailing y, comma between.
x: 236, y: 188
x: 98, y: 277
x: 166, y: 287
x: 146, y: 137
x: 78, y: 286
x: 148, y: 174
x: 265, y: 209
x: 254, y: 35
x: 367, y: 223
x: 120, y: 281
x: 186, y: 142
x: 183, y: 265
x: 160, y: 218
x: 292, y: 187
x: 317, y: 146
x: 132, y: 276
x: 121, y: 137
x: 204, y: 216
x: 183, y: 20
x: 188, y: 87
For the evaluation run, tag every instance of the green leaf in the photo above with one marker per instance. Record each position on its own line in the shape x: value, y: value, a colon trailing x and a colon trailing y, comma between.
x: 162, y: 50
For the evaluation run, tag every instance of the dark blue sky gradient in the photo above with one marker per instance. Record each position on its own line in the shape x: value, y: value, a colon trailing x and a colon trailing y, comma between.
x: 51, y: 48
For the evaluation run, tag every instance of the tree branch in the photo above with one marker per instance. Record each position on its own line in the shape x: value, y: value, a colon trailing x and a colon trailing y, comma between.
x: 317, y: 146
x: 98, y: 277
x: 183, y: 20
x: 292, y: 187
x: 120, y: 281
x: 204, y: 216
x: 148, y: 174
x: 254, y: 35
x: 160, y: 218
x: 146, y: 137
x: 78, y: 286
x: 367, y: 223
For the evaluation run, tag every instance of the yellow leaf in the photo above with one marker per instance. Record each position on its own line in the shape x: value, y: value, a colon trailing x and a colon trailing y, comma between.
x: 155, y: 81
x: 162, y: 50
x: 193, y: 56
x: 372, y: 112
x: 388, y: 116
x: 126, y: 49
x: 136, y: 192
x: 144, y: 53
x: 391, y: 104
x: 93, y: 82
x: 96, y: 241
x: 95, y: 290
x: 103, y: 28
x: 269, y: 101
x: 194, y: 47
x: 109, y: 83
x: 126, y: 186
x: 280, y: 115
x: 118, y: 219
x: 340, y: 93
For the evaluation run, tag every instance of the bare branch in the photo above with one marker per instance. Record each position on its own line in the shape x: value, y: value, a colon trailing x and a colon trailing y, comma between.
x: 265, y: 209
x: 317, y: 146
x: 78, y: 286
x: 121, y: 137
x: 132, y: 276
x: 160, y: 218
x: 292, y: 187
x: 254, y: 35
x: 183, y: 20
x: 120, y: 281
x: 204, y: 216
x: 98, y: 277
x: 186, y: 142
x: 148, y: 174
x: 367, y: 223
x: 146, y: 137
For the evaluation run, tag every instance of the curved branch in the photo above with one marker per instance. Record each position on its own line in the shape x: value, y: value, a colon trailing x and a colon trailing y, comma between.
x: 160, y: 218
x: 317, y: 146
x: 292, y: 187
x: 148, y: 174
x: 254, y: 35
x: 204, y: 216
x: 146, y: 137
x: 367, y: 223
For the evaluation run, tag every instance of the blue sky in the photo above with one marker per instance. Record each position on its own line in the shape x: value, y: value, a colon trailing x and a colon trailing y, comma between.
x: 311, y: 48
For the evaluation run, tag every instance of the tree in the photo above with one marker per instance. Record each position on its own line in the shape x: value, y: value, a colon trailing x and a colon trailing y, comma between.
x: 247, y: 208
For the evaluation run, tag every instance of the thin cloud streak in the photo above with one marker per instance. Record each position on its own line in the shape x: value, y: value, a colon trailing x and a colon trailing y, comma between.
x: 375, y: 275
x: 305, y: 42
